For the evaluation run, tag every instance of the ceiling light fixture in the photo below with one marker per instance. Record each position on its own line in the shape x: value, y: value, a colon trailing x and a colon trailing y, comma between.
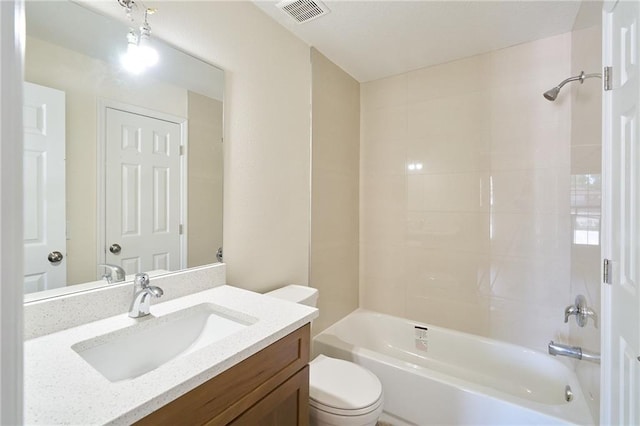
x: 140, y: 54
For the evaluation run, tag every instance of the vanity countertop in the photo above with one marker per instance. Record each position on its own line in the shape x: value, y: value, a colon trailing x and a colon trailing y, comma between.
x: 62, y: 388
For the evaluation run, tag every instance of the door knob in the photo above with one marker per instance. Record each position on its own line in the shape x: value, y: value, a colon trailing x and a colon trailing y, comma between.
x: 115, y: 248
x: 55, y: 257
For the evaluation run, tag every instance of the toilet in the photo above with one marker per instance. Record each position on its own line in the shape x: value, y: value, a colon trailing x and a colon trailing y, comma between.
x: 341, y: 393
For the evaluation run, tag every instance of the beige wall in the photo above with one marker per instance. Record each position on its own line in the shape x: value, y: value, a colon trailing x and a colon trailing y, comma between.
x: 267, y: 119
x: 205, y: 171
x: 464, y: 191
x: 586, y: 148
x: 334, y: 198
x: 84, y: 80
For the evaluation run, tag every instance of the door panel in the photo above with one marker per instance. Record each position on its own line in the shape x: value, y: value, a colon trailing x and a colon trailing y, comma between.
x: 621, y: 210
x: 143, y: 191
x: 44, y: 187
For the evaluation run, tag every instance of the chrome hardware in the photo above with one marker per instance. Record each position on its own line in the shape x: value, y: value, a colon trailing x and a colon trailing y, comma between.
x: 606, y: 271
x: 113, y: 269
x: 568, y: 393
x: 115, y: 248
x: 607, y: 74
x: 581, y: 311
x: 142, y: 293
x: 55, y: 257
x: 572, y: 352
x: 219, y: 254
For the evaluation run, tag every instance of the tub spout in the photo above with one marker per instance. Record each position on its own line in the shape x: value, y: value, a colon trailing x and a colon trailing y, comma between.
x: 572, y: 352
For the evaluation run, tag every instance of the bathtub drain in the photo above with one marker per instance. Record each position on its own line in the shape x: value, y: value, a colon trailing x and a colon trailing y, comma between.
x: 568, y: 394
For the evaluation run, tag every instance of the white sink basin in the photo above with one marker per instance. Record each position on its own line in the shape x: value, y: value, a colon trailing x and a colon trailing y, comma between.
x: 130, y: 352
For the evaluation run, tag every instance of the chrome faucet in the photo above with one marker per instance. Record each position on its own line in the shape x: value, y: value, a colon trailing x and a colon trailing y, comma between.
x: 581, y: 311
x: 572, y: 352
x: 113, y: 269
x: 142, y: 293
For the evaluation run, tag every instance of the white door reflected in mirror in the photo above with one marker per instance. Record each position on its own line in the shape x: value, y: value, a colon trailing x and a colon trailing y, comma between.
x: 143, y: 178
x: 44, y: 182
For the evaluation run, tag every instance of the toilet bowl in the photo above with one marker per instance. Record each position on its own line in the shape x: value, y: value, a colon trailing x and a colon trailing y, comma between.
x: 341, y: 393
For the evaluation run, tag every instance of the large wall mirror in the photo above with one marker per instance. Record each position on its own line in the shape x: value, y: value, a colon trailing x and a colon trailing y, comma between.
x: 121, y: 169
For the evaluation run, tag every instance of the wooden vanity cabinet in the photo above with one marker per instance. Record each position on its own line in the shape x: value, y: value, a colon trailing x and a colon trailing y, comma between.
x: 269, y: 388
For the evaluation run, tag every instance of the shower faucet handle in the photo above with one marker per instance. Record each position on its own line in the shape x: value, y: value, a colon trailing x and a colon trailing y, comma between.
x: 581, y: 311
x: 570, y: 310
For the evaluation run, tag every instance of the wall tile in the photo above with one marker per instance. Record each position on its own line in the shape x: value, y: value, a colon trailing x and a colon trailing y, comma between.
x: 380, y: 157
x: 454, y: 192
x: 385, y: 124
x: 586, y: 130
x: 462, y: 316
x: 440, y: 81
x: 382, y: 278
x: 385, y: 92
x: 484, y: 194
x: 586, y: 159
x: 462, y: 231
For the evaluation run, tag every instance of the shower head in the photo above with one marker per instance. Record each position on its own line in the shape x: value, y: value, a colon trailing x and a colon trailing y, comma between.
x: 552, y: 94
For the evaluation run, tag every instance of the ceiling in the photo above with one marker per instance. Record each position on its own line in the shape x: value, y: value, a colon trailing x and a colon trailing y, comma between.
x: 376, y: 39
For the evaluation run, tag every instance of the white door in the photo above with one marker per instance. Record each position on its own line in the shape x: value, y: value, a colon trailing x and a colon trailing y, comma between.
x: 621, y: 213
x: 143, y: 190
x: 44, y: 188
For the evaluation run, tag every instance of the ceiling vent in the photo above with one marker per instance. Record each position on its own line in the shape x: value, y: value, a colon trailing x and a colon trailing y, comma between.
x: 303, y: 10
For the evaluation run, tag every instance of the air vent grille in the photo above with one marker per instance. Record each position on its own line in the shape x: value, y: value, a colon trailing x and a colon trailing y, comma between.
x: 303, y: 10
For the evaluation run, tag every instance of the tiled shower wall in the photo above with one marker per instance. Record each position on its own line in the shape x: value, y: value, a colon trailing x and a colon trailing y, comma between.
x: 586, y: 166
x: 465, y: 194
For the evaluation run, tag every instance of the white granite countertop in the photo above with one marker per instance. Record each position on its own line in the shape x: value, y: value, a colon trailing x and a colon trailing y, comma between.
x: 62, y: 388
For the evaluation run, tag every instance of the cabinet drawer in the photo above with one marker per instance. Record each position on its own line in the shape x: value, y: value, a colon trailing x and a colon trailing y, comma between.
x: 226, y: 396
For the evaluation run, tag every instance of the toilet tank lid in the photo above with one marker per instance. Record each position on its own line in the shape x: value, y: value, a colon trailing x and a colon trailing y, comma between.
x: 296, y: 293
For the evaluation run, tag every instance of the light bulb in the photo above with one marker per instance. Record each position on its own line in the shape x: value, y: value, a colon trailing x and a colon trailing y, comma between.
x: 131, y: 59
x: 148, y: 55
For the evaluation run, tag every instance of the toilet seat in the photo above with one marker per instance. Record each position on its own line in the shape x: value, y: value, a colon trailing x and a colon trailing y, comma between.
x: 343, y: 388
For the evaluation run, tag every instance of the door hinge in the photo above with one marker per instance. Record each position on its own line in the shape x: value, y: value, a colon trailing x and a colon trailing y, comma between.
x: 180, y: 229
x: 606, y: 77
x: 181, y: 149
x: 606, y: 271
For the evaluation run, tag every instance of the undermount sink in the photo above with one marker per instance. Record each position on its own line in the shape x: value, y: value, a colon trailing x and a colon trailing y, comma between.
x: 133, y: 351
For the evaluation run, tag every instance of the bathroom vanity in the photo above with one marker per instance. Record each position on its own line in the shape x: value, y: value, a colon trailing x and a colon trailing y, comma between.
x: 121, y: 370
x: 269, y: 388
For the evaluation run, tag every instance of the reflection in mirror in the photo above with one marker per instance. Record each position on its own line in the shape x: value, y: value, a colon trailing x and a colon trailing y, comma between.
x: 120, y: 169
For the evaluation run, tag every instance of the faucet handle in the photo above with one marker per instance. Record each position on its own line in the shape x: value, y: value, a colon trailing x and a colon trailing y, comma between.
x: 111, y: 269
x: 141, y: 280
x: 570, y: 310
x: 590, y: 313
x: 581, y: 311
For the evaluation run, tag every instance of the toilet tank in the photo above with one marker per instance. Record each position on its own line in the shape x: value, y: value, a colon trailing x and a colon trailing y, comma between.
x: 296, y: 293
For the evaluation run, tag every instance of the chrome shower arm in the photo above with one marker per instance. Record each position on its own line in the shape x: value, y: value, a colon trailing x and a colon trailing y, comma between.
x: 552, y: 94
x: 581, y: 77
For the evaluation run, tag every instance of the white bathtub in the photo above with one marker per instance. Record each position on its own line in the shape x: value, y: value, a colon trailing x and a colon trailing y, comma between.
x: 435, y: 376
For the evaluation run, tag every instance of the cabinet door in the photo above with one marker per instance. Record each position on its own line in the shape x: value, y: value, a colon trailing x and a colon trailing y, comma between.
x: 238, y: 390
x: 287, y: 405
